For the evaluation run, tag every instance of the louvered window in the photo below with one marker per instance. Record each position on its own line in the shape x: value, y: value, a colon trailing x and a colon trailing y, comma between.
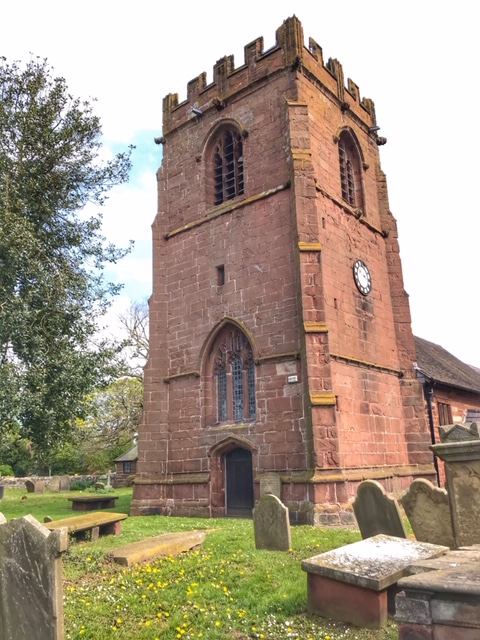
x: 350, y: 172
x: 228, y: 167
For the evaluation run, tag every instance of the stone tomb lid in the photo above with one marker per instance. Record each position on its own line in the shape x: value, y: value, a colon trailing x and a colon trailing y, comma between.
x: 463, y: 580
x: 450, y: 561
x: 374, y: 563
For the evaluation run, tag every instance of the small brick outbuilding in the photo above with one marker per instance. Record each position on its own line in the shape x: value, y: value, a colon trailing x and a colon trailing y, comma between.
x: 125, y: 466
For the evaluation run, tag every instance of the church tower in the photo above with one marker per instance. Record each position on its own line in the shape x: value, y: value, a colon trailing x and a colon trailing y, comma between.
x: 281, y: 350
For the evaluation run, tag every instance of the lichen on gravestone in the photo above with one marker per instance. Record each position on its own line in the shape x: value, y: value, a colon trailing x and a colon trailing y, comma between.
x: 31, y: 598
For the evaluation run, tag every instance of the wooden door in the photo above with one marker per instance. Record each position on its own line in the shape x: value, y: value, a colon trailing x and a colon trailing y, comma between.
x: 239, y: 483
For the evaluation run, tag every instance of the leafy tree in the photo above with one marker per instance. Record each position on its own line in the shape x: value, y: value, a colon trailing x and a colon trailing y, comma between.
x: 110, y: 429
x: 52, y: 289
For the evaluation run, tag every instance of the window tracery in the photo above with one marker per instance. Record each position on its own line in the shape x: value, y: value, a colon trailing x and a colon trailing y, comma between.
x: 234, y: 373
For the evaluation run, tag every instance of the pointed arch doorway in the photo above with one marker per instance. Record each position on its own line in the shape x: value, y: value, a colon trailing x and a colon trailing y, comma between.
x: 239, y: 499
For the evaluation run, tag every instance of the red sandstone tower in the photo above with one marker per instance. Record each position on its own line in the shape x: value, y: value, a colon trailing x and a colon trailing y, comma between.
x: 280, y: 337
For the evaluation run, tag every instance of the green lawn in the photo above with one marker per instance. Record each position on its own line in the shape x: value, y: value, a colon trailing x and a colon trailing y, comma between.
x: 227, y: 590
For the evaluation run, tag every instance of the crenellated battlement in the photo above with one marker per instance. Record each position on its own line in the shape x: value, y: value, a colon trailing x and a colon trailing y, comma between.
x: 290, y: 52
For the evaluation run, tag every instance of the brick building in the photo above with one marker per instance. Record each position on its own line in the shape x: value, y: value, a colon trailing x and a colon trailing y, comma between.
x: 280, y: 336
x: 451, y: 390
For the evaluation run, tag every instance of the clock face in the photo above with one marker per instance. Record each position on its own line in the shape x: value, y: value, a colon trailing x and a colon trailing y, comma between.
x: 362, y: 277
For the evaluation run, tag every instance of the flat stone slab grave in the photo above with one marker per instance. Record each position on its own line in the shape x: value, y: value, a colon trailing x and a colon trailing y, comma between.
x: 168, y: 544
x: 92, y: 503
x: 355, y: 583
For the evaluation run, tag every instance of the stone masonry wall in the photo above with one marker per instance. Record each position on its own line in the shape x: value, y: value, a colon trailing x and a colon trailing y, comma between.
x: 287, y: 248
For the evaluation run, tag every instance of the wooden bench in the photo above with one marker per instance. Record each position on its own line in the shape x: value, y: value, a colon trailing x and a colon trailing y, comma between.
x: 92, y: 503
x: 98, y: 523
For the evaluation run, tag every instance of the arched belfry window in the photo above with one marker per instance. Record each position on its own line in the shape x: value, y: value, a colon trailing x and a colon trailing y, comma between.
x: 228, y: 166
x: 233, y: 376
x: 350, y: 171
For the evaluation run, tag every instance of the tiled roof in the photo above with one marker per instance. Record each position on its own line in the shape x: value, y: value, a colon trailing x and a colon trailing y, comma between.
x: 439, y: 365
x: 128, y: 456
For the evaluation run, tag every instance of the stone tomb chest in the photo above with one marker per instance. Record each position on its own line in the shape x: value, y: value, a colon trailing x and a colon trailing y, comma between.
x: 355, y: 583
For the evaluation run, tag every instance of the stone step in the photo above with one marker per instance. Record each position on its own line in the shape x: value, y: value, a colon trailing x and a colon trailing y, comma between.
x: 168, y: 544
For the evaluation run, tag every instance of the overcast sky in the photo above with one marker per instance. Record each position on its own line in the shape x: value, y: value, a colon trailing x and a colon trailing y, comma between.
x: 416, y: 60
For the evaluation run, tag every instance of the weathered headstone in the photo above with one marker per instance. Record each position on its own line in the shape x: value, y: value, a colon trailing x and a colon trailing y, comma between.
x: 428, y: 509
x: 65, y: 483
x: 462, y: 470
x: 108, y: 486
x: 271, y: 524
x: 31, y: 597
x: 271, y: 483
x: 54, y: 484
x: 39, y: 487
x: 30, y: 486
x: 376, y: 512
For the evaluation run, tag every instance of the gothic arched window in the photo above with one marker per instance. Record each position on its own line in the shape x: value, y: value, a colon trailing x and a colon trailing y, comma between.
x: 228, y: 166
x: 234, y: 376
x: 350, y: 171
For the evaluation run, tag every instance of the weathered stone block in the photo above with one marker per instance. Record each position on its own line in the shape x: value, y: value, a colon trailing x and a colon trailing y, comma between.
x: 372, y: 566
x: 31, y: 598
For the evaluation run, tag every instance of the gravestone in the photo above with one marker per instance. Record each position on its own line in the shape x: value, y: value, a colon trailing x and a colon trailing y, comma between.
x: 39, y: 487
x: 428, y: 509
x: 271, y: 524
x: 108, y: 486
x: 54, y: 484
x: 354, y: 583
x: 30, y: 486
x: 65, y: 483
x: 376, y: 512
x: 462, y: 470
x: 31, y: 596
x: 271, y: 483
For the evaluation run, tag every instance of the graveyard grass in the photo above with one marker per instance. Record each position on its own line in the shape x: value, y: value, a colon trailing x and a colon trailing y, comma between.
x: 224, y: 590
